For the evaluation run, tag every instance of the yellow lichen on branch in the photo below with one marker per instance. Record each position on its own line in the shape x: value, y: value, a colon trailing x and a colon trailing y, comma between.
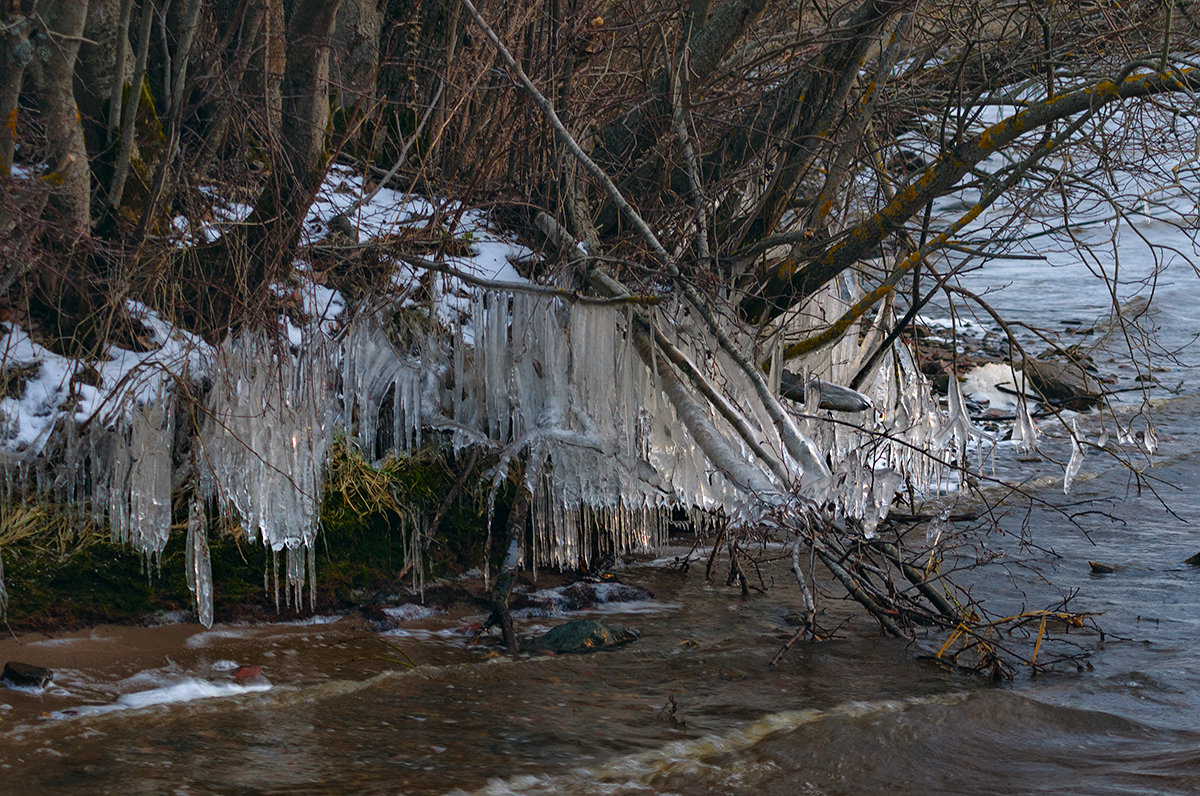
x: 790, y: 282
x: 864, y: 304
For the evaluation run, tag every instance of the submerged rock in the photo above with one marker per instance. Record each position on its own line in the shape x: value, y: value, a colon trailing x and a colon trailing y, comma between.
x: 576, y: 597
x: 378, y: 620
x: 1099, y: 568
x: 585, y: 635
x: 26, y: 674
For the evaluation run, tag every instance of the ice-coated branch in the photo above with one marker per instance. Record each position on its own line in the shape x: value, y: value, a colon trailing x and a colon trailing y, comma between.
x: 801, y: 449
x: 647, y: 334
x: 723, y: 407
x: 691, y: 412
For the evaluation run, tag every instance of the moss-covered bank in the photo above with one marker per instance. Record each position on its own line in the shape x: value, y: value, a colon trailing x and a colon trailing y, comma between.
x: 62, y: 571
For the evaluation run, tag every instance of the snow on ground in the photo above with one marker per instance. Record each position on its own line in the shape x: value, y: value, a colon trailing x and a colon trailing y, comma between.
x: 44, y: 387
x: 56, y: 387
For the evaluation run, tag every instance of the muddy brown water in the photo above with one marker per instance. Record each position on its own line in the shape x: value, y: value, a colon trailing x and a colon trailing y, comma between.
x: 335, y: 711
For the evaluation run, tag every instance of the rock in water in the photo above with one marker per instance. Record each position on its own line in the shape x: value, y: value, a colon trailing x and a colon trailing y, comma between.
x: 585, y: 635
x: 1101, y: 569
x: 1194, y: 560
x: 378, y: 620
x: 26, y: 674
x: 1063, y: 382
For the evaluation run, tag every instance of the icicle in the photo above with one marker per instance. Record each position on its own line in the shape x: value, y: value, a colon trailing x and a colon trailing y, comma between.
x: 198, y: 561
x: 1024, y: 432
x: 884, y: 484
x: 1149, y: 440
x: 312, y: 575
x: 273, y: 557
x: 958, y: 426
x: 1076, y: 459
x: 147, y: 525
x: 3, y: 590
x: 266, y: 442
x: 295, y: 557
x: 938, y: 527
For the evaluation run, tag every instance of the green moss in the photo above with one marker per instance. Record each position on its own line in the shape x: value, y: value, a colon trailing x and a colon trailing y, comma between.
x: 63, y: 571
x: 376, y: 510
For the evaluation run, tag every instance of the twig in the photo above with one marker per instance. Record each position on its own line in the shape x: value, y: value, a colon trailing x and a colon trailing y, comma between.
x: 496, y: 284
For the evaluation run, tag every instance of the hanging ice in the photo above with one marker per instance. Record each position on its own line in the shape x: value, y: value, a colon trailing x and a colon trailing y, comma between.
x: 622, y: 436
x: 958, y: 430
x: 264, y: 442
x: 198, y: 562
x: 1149, y: 440
x: 1024, y: 432
x: 1076, y: 461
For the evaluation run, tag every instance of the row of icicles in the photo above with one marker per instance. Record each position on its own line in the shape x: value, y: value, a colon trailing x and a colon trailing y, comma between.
x: 520, y: 375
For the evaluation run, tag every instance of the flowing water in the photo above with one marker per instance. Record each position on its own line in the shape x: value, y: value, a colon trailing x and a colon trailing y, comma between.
x: 692, y: 707
x: 336, y: 710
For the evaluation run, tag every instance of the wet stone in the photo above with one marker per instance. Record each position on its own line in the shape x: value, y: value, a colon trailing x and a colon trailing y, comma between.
x: 577, y: 596
x: 378, y: 620
x: 585, y: 635
x: 26, y: 674
x: 613, y: 592
x: 1063, y: 382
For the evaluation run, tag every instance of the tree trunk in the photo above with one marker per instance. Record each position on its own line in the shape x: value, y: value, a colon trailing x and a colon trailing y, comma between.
x: 502, y: 590
x: 273, y: 229
x: 104, y: 63
x: 250, y: 29
x: 127, y: 133
x: 356, y: 53
x: 55, y: 53
x: 15, y: 54
x: 275, y: 49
